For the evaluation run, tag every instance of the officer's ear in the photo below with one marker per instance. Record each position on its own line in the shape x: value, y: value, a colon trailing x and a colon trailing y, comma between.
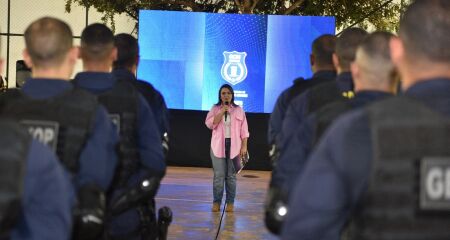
x: 311, y: 59
x: 397, y: 50
x: 27, y: 58
x: 80, y: 53
x: 113, y: 55
x: 137, y: 60
x: 354, y: 68
x: 73, y: 55
x: 336, y: 61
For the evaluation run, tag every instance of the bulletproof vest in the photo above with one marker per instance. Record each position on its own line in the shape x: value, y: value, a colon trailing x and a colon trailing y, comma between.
x: 301, y: 85
x: 14, y: 143
x: 326, y: 115
x: 323, y: 94
x: 408, y: 195
x: 122, y: 101
x: 63, y: 122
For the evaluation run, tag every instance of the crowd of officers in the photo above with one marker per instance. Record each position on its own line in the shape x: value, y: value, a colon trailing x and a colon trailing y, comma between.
x: 81, y: 159
x: 362, y: 149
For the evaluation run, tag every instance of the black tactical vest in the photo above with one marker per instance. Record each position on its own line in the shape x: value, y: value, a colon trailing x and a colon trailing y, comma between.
x: 301, y: 85
x: 322, y: 95
x: 327, y: 114
x: 14, y: 143
x: 408, y: 194
x: 63, y: 122
x: 122, y: 103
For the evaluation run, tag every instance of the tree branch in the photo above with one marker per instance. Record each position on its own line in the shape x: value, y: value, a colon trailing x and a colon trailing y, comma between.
x: 293, y: 7
x: 240, y: 7
x: 255, y: 2
x: 194, y: 6
x: 133, y: 15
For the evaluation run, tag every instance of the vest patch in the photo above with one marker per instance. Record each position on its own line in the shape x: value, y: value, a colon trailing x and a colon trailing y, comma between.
x: 435, y: 184
x: 45, y: 132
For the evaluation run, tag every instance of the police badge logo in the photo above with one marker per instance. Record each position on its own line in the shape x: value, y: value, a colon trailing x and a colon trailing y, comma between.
x: 234, y: 69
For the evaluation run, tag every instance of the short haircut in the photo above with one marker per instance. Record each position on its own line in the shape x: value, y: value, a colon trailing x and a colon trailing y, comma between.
x: 346, y: 45
x: 48, y: 40
x: 323, y: 48
x: 374, y: 58
x: 127, y: 51
x: 97, y: 42
x: 424, y: 29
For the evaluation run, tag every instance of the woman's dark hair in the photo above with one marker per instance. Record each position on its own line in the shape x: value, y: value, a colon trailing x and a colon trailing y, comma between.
x: 232, y: 94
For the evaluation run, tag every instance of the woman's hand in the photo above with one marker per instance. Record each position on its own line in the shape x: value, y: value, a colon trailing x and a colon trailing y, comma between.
x: 243, y: 152
x: 220, y: 114
x: 224, y: 109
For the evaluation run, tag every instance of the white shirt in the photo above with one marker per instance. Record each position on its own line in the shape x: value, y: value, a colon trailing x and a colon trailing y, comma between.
x: 227, y: 125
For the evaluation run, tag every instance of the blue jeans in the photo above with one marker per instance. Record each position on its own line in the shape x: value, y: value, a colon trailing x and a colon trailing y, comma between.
x: 221, y: 176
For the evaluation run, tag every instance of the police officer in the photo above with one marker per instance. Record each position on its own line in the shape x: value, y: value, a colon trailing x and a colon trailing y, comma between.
x: 27, y: 209
x: 125, y: 68
x: 372, y: 74
x: 68, y: 120
x: 322, y: 66
x: 318, y: 96
x: 377, y: 168
x: 142, y: 163
x: 36, y: 195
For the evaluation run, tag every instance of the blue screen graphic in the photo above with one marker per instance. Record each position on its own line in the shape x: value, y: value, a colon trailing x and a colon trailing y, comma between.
x: 187, y: 56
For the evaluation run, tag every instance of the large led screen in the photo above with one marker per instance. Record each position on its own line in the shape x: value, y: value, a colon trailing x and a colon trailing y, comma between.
x: 188, y: 55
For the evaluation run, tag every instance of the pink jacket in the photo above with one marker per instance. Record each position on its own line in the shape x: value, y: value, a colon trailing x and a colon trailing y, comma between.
x: 239, y: 131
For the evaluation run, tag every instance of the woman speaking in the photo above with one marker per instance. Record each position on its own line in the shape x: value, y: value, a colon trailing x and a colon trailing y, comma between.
x: 229, y: 140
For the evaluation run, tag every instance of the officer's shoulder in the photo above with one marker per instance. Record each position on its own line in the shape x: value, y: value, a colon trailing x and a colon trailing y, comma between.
x: 324, y: 87
x: 298, y: 82
x: 145, y: 84
x: 125, y: 85
x: 338, y: 105
x: 318, y: 89
x: 401, y: 108
x: 300, y: 98
x: 81, y: 94
x: 350, y: 122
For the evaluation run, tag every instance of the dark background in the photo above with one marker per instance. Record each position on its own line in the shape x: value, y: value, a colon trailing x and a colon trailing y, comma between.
x: 190, y: 140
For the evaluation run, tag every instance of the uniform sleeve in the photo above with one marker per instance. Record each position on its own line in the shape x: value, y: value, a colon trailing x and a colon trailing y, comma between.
x: 156, y: 102
x: 276, y: 117
x: 295, y: 114
x: 164, y: 112
x: 149, y: 140
x: 48, y: 198
x: 333, y: 180
x: 293, y: 157
x: 98, y: 160
x: 210, y: 118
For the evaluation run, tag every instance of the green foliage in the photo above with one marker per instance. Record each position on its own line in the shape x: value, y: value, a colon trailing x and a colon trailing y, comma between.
x: 380, y: 14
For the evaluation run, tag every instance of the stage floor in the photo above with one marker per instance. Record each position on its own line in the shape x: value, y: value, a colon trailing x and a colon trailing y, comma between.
x: 188, y: 192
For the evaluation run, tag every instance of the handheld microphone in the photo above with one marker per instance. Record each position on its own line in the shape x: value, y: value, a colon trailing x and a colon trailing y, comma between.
x: 226, y: 113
